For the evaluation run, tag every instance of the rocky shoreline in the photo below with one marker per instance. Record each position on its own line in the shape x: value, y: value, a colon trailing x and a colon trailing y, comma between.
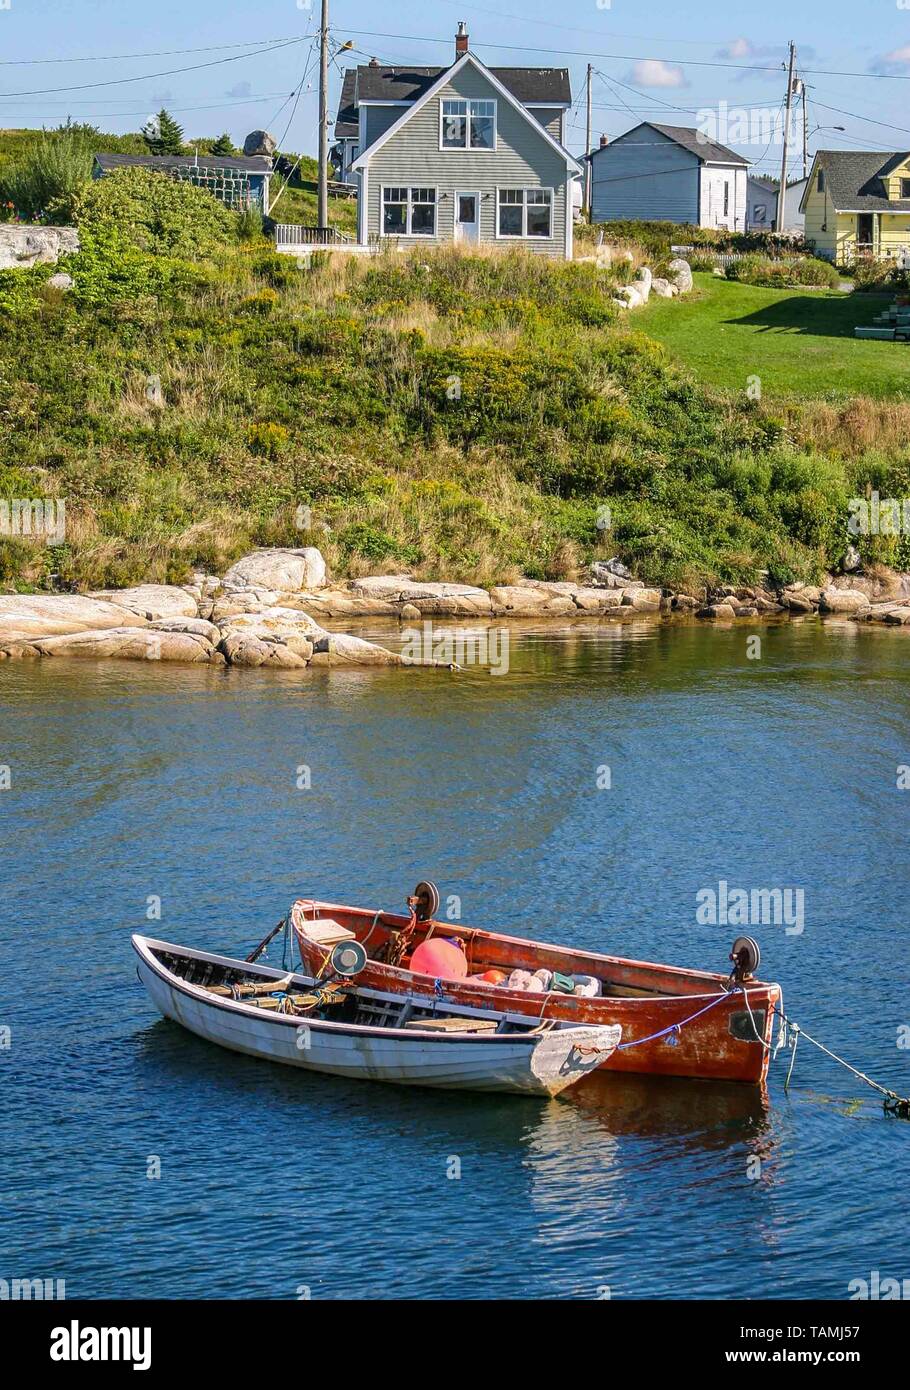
x: 269, y: 610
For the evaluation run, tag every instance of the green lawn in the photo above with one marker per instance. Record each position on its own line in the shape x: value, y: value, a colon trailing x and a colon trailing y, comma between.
x: 799, y: 342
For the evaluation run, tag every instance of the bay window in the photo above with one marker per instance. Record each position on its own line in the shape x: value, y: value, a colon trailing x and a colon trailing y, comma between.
x: 467, y: 125
x: 525, y: 212
x: 408, y: 211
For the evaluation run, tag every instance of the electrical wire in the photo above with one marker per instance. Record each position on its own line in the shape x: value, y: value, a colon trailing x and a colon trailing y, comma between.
x: 149, y: 76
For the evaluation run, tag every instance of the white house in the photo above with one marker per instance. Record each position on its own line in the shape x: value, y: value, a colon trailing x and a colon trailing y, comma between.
x: 669, y: 173
x: 761, y: 205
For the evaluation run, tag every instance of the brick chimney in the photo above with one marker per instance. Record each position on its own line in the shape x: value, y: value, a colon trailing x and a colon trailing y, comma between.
x: 461, y: 40
x: 604, y: 141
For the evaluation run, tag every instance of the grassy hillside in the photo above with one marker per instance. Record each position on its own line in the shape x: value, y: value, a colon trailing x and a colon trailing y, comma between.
x: 799, y: 341
x: 467, y: 416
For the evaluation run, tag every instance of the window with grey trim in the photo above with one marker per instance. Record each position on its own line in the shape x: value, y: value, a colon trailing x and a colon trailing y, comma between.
x: 525, y: 212
x: 821, y: 181
x: 468, y: 125
x: 905, y: 188
x: 408, y: 211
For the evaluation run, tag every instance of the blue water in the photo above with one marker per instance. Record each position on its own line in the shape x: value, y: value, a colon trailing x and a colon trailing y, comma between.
x: 131, y: 782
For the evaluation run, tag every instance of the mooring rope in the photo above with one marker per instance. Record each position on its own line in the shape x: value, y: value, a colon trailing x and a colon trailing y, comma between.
x: 893, y: 1102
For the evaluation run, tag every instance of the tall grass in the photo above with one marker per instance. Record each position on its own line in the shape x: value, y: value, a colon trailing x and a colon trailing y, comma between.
x: 48, y: 178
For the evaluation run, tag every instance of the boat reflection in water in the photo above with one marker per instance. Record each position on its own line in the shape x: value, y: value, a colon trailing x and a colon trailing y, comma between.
x: 714, y: 1112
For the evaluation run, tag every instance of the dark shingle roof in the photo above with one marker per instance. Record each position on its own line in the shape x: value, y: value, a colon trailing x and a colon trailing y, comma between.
x: 347, y: 123
x: 693, y: 140
x: 369, y: 83
x: 853, y: 179
x: 252, y: 164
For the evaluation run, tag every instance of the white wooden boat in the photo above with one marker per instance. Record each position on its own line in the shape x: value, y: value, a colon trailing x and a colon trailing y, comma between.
x: 348, y: 1030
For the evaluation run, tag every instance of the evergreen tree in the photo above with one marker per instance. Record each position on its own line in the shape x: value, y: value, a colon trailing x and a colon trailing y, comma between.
x: 222, y: 145
x: 163, y: 135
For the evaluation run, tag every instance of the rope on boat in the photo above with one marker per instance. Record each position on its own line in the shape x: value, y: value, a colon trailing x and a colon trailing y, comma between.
x: 674, y: 1027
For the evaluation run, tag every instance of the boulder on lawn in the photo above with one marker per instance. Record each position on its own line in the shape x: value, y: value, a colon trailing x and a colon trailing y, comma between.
x: 631, y: 296
x: 679, y: 273
x: 642, y: 283
x: 284, y: 571
x: 663, y: 288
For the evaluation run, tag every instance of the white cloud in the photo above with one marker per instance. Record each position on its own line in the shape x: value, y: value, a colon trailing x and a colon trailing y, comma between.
x: 898, y: 55
x: 654, y: 72
x: 739, y: 48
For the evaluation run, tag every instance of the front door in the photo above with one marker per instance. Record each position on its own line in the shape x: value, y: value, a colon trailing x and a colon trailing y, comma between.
x: 467, y: 216
x: 865, y: 232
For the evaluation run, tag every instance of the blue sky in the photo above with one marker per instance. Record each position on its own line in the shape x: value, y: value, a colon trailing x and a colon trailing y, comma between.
x: 659, y: 59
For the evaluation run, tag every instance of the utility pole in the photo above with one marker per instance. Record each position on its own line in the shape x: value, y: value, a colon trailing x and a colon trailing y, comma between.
x: 322, y: 215
x: 588, y: 150
x: 782, y: 191
x: 805, y: 95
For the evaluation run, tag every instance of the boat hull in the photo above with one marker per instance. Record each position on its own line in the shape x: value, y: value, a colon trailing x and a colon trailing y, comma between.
x: 542, y: 1065
x: 675, y: 1022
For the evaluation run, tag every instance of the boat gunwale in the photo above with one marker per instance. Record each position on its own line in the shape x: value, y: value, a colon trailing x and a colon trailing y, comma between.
x: 143, y: 946
x: 625, y: 961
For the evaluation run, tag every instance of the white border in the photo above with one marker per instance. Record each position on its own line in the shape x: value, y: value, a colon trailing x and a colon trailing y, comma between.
x: 415, y: 236
x: 526, y: 189
x: 469, y: 149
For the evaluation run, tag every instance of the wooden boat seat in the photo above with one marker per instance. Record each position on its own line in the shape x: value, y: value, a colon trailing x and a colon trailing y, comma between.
x: 454, y: 1025
x: 325, y: 931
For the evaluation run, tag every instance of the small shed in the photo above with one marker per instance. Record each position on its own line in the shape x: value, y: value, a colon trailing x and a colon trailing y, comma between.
x: 237, y: 180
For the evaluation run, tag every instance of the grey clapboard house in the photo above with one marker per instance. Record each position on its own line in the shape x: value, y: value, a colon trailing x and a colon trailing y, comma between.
x: 465, y: 153
x: 663, y: 173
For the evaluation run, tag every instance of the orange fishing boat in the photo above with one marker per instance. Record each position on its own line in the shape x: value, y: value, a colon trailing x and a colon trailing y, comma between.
x: 675, y: 1022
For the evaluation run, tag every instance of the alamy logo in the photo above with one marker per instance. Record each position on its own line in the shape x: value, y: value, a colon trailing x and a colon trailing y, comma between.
x: 876, y: 1288
x: 724, y: 906
x: 43, y: 518
x: 877, y: 516
x: 75, y: 1343
x: 32, y: 1290
x: 739, y: 125
x: 459, y: 647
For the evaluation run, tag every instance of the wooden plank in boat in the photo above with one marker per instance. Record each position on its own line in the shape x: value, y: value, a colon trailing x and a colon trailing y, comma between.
x: 325, y: 931
x: 454, y: 1025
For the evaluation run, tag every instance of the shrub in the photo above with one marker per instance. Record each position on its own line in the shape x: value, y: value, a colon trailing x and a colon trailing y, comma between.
x: 50, y: 178
x: 249, y: 223
x: 807, y: 270
x: 268, y: 440
x: 157, y: 214
x: 879, y: 276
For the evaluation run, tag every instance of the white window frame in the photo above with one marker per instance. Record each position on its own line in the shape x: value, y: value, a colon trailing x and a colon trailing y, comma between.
x: 420, y: 236
x: 467, y: 146
x: 523, y: 236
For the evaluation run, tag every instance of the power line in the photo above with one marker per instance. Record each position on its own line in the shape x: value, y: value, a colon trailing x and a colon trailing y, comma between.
x: 120, y: 57
x: 149, y: 76
x: 638, y: 57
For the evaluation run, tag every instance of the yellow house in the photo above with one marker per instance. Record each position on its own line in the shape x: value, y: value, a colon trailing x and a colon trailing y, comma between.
x: 857, y: 202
